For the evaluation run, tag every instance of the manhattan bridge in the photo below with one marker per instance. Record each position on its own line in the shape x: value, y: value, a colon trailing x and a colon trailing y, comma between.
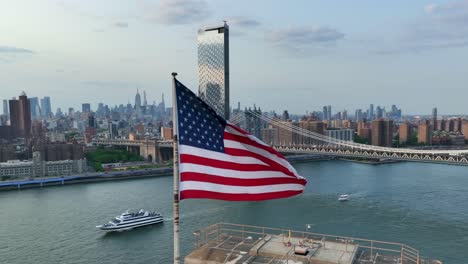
x: 313, y: 143
x: 327, y: 146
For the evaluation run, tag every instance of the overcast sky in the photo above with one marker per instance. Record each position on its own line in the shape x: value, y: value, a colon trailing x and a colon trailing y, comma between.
x: 296, y: 55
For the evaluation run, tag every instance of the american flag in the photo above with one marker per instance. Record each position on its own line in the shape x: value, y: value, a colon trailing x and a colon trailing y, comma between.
x: 218, y: 160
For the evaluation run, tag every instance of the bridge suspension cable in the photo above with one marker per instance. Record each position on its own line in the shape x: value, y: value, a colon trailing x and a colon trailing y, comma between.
x: 352, y: 145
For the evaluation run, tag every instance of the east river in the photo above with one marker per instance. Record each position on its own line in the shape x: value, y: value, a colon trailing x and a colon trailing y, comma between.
x: 422, y: 205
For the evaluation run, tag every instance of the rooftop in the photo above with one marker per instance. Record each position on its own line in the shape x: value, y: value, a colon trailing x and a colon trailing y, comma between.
x: 242, y: 244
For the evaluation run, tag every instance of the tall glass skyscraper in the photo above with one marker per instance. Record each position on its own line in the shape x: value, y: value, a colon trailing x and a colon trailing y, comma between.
x: 213, y: 68
x: 5, y: 107
x: 46, y: 108
x: 35, y: 107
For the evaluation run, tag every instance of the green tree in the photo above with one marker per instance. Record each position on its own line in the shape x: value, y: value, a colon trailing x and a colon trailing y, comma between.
x: 358, y: 139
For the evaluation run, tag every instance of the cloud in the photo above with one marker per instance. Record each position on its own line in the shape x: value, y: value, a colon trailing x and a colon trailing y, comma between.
x: 239, y: 25
x: 178, y: 12
x: 121, y: 24
x: 421, y: 47
x: 442, y: 26
x: 302, y: 38
x: 110, y: 84
x: 8, y: 49
x: 243, y: 22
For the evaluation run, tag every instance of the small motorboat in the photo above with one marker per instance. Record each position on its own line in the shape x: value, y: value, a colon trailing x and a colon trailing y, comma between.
x: 344, y: 197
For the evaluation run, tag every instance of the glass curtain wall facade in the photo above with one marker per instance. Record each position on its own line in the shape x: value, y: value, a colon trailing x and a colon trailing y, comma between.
x: 213, y: 68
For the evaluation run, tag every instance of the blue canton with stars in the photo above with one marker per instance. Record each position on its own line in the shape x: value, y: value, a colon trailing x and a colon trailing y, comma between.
x: 199, y: 125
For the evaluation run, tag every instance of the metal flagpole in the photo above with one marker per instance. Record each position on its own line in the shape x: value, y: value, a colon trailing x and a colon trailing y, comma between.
x: 176, y: 171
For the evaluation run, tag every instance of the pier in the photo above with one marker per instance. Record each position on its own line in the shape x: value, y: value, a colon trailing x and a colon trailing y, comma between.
x: 226, y: 243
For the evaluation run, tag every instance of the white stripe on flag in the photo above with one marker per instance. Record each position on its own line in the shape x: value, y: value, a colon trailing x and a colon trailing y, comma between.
x: 220, y: 188
x: 189, y: 167
x: 185, y: 149
x: 235, y: 132
x: 259, y: 151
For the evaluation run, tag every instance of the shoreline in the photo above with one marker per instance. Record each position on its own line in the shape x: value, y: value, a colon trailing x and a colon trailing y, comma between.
x: 372, y: 162
x: 86, y: 178
x: 116, y: 175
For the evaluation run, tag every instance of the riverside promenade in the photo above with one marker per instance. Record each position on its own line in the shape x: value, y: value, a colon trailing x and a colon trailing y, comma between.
x: 83, y: 178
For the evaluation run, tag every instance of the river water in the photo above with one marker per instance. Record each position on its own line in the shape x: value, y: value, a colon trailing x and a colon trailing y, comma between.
x: 422, y: 205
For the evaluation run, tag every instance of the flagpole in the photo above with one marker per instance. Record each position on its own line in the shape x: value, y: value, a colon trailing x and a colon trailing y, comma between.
x: 176, y: 171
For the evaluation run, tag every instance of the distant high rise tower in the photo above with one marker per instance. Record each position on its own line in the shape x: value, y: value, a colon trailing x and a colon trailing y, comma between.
x: 213, y: 68
x: 358, y: 115
x: 35, y: 107
x: 46, y: 108
x: 345, y: 115
x: 434, y: 118
x: 379, y: 113
x: 371, y: 112
x: 20, y: 116
x: 145, y: 102
x: 137, y: 100
x: 5, y: 107
x: 86, y: 108
x: 325, y: 113
x: 329, y: 112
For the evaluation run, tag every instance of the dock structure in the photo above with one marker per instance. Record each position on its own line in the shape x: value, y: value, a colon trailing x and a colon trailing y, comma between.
x: 226, y: 243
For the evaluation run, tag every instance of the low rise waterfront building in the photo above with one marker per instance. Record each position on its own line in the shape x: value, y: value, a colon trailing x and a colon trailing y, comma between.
x: 15, y: 169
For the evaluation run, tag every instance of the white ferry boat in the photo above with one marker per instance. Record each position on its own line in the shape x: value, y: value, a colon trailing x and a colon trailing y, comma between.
x: 129, y: 220
x: 344, y: 197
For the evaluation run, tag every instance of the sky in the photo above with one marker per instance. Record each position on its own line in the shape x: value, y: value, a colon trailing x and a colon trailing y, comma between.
x: 295, y: 55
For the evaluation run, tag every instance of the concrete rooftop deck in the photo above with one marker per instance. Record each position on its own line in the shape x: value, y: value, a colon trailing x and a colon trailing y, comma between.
x: 238, y: 244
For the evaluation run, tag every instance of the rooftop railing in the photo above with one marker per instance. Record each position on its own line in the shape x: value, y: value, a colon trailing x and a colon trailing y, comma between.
x: 214, y: 235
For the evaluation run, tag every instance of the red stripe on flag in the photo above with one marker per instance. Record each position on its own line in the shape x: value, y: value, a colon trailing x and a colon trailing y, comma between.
x: 246, y: 140
x: 196, y: 194
x: 272, y: 163
x: 202, y: 177
x: 187, y: 158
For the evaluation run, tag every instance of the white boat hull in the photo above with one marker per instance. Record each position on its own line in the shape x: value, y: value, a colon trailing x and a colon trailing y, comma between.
x: 343, y: 198
x: 130, y: 226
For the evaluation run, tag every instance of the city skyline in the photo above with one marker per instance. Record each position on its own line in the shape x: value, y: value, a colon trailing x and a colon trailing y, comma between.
x: 324, y: 51
x: 362, y: 111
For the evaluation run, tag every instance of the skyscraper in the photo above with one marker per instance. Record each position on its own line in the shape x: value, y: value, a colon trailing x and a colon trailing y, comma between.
x: 325, y: 113
x: 46, y: 108
x: 5, y: 107
x: 329, y: 112
x: 382, y: 132
x: 379, y: 111
x: 20, y: 116
x: 137, y: 100
x: 371, y: 112
x: 113, y: 131
x: 434, y: 118
x: 35, y: 108
x: 358, y: 115
x: 145, y: 102
x: 86, y: 108
x: 213, y: 68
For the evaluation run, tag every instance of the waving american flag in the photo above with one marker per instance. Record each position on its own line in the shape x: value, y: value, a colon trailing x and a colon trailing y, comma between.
x: 218, y: 160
